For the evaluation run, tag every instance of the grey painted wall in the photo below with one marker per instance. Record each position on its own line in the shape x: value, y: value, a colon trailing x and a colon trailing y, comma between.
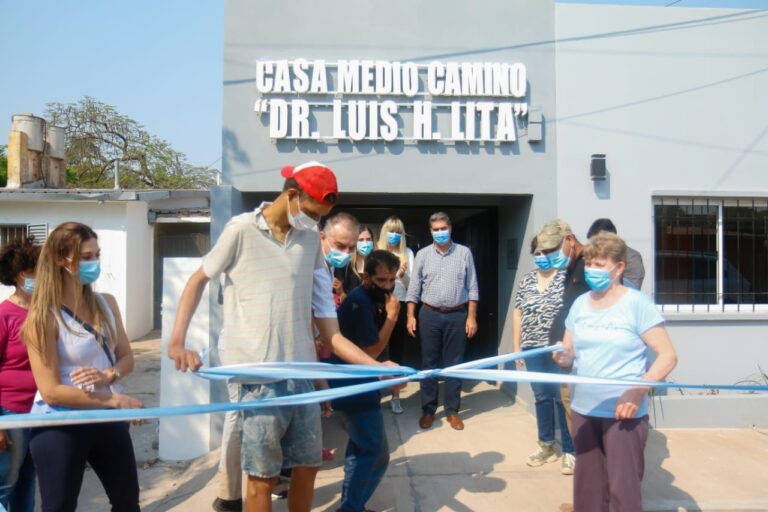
x: 496, y: 31
x: 672, y: 96
x: 675, y: 98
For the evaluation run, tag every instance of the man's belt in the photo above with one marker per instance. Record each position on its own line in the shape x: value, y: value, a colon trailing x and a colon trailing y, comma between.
x: 460, y: 307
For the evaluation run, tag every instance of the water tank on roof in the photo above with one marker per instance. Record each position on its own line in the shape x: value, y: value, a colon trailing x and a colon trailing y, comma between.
x: 34, y: 127
x: 56, y: 137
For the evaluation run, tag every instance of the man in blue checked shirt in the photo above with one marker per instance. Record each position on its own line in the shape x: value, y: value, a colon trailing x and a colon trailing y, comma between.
x: 445, y: 282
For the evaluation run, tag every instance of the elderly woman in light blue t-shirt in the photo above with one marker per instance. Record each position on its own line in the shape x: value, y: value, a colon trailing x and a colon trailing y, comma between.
x: 607, y: 333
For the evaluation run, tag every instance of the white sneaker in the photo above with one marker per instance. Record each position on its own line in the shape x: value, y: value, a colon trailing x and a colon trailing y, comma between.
x: 545, y: 453
x: 569, y: 464
x: 395, y: 406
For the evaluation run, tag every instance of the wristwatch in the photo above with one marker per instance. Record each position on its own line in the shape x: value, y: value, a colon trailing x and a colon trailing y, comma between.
x: 115, y: 374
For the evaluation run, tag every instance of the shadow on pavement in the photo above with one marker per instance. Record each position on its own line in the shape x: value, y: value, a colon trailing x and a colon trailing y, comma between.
x: 665, y: 496
x: 437, y: 489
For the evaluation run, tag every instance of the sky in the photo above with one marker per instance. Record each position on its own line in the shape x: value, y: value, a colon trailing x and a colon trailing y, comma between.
x: 159, y: 62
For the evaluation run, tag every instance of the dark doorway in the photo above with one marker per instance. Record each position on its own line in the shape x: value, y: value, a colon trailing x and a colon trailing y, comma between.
x: 473, y: 226
x: 176, y: 240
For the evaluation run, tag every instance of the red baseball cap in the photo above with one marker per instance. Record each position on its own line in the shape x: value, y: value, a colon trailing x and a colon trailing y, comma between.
x: 317, y: 180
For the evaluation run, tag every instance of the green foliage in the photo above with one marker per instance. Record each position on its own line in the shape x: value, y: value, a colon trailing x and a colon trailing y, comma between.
x: 3, y: 166
x: 98, y: 136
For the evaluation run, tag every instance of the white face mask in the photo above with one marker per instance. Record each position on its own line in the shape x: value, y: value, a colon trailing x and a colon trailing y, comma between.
x: 302, y: 221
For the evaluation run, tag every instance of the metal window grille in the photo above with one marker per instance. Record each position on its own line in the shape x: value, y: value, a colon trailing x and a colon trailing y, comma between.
x: 39, y: 232
x: 711, y: 254
x: 11, y: 232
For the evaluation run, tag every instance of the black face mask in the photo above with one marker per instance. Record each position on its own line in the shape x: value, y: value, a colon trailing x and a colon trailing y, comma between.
x: 378, y: 294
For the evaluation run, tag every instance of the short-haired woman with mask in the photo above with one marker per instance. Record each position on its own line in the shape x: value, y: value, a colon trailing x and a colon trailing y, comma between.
x: 608, y: 332
x: 393, y: 239
x: 79, y: 351
x: 17, y: 385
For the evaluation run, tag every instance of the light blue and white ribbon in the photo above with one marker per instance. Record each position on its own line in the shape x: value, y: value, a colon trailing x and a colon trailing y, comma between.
x: 390, y: 375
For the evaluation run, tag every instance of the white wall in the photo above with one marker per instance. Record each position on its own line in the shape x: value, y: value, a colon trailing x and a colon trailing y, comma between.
x: 184, y: 437
x: 139, y: 271
x: 111, y: 221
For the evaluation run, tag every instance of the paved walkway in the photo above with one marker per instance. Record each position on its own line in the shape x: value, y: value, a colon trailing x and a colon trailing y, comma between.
x: 479, y: 469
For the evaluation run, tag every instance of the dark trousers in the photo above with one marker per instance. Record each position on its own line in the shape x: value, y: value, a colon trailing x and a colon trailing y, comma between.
x: 443, y: 340
x: 60, y: 455
x: 395, y: 349
x: 399, y: 333
x: 609, y: 463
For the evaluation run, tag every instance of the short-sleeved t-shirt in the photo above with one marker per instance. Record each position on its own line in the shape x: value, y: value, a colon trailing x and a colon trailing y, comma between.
x: 538, y: 308
x: 267, y: 290
x: 359, y: 321
x: 17, y: 386
x: 607, y: 344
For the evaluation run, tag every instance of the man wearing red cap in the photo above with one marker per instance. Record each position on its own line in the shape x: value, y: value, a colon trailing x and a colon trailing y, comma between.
x: 270, y: 258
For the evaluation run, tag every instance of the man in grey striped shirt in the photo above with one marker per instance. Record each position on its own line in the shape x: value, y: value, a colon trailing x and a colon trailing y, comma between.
x: 445, y: 282
x: 272, y: 263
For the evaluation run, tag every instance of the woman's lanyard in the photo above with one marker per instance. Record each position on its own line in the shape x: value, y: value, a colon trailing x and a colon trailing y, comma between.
x: 88, y: 327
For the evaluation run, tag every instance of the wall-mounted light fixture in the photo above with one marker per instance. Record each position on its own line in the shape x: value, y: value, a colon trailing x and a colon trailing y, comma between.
x: 597, y: 169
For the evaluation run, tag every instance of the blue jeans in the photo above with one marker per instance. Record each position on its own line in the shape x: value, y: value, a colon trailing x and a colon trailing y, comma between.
x: 366, y: 458
x: 17, y: 472
x: 548, y: 401
x: 278, y: 438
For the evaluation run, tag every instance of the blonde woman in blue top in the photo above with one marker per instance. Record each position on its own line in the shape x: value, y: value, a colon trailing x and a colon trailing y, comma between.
x: 608, y: 331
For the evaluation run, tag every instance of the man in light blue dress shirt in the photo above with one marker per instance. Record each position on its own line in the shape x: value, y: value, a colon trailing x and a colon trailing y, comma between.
x: 445, y: 282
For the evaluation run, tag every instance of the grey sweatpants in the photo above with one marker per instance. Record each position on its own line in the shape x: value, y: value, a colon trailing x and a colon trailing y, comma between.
x: 609, y: 463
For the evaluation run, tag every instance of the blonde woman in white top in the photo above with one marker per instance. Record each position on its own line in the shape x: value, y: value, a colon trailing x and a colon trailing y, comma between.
x: 78, y: 351
x: 393, y: 239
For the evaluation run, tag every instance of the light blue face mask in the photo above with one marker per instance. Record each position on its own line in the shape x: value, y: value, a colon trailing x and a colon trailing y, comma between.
x: 558, y: 259
x: 364, y: 248
x: 338, y: 259
x: 394, y: 238
x: 29, y: 285
x: 598, y: 279
x: 542, y: 262
x: 89, y: 271
x: 441, y: 237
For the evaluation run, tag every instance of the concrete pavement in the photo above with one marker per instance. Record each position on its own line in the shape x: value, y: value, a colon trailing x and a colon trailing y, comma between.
x: 481, y: 468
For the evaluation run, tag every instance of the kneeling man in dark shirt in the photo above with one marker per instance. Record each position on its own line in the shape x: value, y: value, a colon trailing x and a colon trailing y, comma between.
x: 367, y: 317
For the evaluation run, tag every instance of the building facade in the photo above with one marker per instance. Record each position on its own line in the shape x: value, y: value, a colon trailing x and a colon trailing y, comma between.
x: 492, y: 112
x: 135, y: 229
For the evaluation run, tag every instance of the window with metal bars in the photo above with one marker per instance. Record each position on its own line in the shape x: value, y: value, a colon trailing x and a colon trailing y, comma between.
x: 711, y: 254
x: 12, y: 232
